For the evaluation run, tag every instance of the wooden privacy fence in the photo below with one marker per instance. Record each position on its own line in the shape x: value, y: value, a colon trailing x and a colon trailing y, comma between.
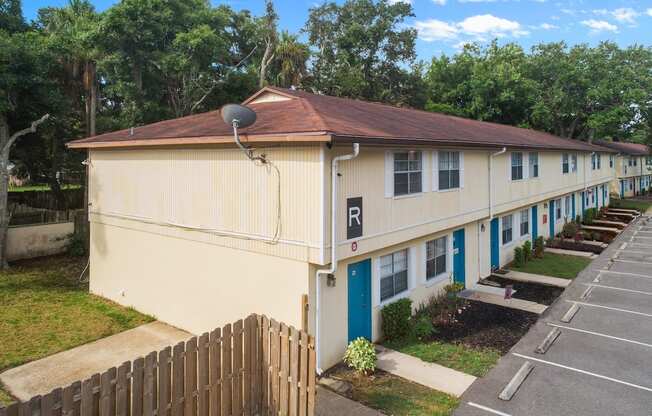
x: 256, y: 366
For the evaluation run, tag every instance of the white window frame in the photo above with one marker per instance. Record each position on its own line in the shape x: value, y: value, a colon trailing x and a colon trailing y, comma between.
x: 611, y: 161
x: 559, y: 212
x: 512, y: 166
x: 502, y: 229
x: 533, y: 161
x: 565, y: 163
x: 459, y: 169
x: 573, y: 163
x: 567, y: 207
x: 409, y: 171
x: 524, y: 213
x: 430, y: 280
x: 378, y: 271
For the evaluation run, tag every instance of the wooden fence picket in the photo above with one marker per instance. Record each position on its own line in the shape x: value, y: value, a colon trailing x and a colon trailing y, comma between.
x: 257, y: 366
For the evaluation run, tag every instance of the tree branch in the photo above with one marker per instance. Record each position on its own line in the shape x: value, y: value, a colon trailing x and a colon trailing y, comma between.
x: 19, y: 133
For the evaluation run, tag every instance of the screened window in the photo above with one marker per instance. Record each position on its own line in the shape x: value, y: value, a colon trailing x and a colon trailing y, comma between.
x: 599, y: 158
x: 564, y: 163
x: 449, y: 170
x: 407, y: 172
x: 534, y: 165
x: 517, y: 166
x: 393, y: 274
x: 558, y: 209
x: 525, y: 222
x: 507, y: 229
x: 573, y: 167
x: 635, y: 161
x: 436, y: 257
x: 596, y: 161
x: 630, y: 162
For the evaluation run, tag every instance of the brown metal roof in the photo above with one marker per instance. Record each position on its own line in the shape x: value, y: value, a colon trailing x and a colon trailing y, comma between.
x: 634, y: 149
x: 311, y: 117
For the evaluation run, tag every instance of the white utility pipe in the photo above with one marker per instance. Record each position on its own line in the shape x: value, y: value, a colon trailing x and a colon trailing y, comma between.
x: 333, y: 268
x: 491, y: 181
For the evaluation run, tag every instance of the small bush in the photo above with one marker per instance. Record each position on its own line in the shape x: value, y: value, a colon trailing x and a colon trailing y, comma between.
x: 569, y: 230
x: 361, y: 356
x: 422, y: 327
x: 453, y: 288
x: 518, y: 257
x: 579, y: 236
x: 538, y: 247
x: 578, y: 220
x: 527, y: 251
x: 396, y: 319
x: 589, y: 216
x: 76, y: 246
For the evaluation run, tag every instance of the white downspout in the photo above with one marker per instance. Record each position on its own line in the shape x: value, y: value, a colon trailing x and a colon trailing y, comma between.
x: 333, y: 268
x: 585, y: 169
x: 491, y: 181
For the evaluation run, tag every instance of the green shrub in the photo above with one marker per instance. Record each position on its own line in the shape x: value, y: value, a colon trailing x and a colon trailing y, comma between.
x: 75, y: 246
x: 518, y: 257
x: 396, y: 319
x: 589, y: 216
x: 538, y: 247
x: 453, y: 288
x: 527, y: 251
x: 422, y: 327
x: 578, y: 220
x: 569, y: 230
x: 361, y: 356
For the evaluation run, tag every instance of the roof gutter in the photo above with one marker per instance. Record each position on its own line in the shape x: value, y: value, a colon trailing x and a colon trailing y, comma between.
x: 333, y: 268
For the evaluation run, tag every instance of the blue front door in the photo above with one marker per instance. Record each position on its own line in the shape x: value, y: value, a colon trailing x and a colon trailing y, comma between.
x: 360, y: 300
x: 551, y: 213
x: 495, y: 253
x: 535, y: 223
x: 603, y: 195
x: 459, y: 270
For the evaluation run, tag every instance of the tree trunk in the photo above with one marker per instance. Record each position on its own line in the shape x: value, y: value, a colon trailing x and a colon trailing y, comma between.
x: 4, y: 191
x: 93, y: 110
x: 264, y: 63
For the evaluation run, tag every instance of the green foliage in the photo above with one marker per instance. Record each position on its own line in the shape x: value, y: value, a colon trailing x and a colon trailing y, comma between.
x: 590, y: 215
x: 422, y: 327
x: 361, y: 355
x: 519, y: 260
x: 556, y: 265
x: 396, y: 319
x: 539, y: 247
x: 570, y: 230
x: 527, y: 251
x: 76, y: 246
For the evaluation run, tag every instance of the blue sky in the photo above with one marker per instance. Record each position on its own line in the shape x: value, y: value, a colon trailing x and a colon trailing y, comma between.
x: 444, y: 25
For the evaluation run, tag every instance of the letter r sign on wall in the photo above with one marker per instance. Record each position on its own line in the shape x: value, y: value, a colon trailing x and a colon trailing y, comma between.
x: 353, y: 217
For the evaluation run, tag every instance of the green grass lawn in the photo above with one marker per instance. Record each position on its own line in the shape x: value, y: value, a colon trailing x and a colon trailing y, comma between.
x: 474, y: 361
x: 396, y: 396
x: 45, y: 310
x: 629, y: 204
x: 556, y: 265
x: 40, y: 188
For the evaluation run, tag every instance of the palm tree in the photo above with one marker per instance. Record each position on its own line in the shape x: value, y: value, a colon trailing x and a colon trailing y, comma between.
x: 290, y: 63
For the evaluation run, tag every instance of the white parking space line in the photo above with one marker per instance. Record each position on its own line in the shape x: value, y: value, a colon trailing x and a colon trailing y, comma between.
x: 619, y: 288
x: 633, y: 252
x: 488, y: 409
x: 595, y: 305
x: 599, y: 334
x: 588, y: 373
x: 643, y: 276
x: 632, y: 261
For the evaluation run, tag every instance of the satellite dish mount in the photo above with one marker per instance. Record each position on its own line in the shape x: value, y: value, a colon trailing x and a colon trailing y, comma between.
x: 239, y: 116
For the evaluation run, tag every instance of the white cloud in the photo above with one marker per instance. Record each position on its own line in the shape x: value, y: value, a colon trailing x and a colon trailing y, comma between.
x: 599, y: 25
x: 477, y: 1
x: 625, y: 14
x: 649, y: 12
x: 439, y: 2
x: 399, y: 1
x: 479, y: 27
x: 433, y: 29
x: 547, y: 26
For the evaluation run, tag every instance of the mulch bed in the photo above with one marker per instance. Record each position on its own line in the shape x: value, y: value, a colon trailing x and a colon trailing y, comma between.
x: 481, y: 325
x: 530, y: 291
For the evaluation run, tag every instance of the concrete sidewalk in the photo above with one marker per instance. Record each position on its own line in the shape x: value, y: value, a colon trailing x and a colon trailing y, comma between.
x: 430, y: 375
x: 61, y: 369
x: 328, y: 403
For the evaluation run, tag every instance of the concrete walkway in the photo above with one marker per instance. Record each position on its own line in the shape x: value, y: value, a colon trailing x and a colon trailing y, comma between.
x: 571, y: 252
x: 536, y: 278
x: 523, y: 305
x: 61, y: 369
x: 328, y: 403
x: 430, y: 375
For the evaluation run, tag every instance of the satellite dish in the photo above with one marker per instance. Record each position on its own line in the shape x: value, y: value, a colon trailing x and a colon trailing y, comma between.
x: 236, y: 113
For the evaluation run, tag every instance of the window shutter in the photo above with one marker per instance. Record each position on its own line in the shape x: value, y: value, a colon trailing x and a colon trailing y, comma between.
x: 435, y: 171
x: 461, y: 169
x: 526, y: 165
x: 425, y: 172
x: 389, y: 174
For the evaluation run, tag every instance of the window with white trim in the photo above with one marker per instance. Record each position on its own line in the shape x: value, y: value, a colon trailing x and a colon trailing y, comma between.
x: 436, y: 257
x: 611, y: 161
x: 507, y: 229
x: 567, y: 206
x: 449, y: 170
x: 407, y: 172
x: 596, y: 161
x: 564, y: 163
x: 558, y: 209
x: 517, y: 166
x: 599, y: 161
x: 393, y: 274
x: 534, y: 165
x: 573, y: 167
x: 525, y: 222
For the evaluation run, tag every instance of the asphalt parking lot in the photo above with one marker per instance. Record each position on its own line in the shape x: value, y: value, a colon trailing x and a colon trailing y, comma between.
x: 601, y: 361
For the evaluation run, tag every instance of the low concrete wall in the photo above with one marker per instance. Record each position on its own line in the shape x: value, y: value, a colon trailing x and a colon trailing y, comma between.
x: 29, y: 241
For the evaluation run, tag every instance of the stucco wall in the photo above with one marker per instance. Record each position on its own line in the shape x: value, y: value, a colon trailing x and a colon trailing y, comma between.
x: 193, y: 285
x: 29, y: 241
